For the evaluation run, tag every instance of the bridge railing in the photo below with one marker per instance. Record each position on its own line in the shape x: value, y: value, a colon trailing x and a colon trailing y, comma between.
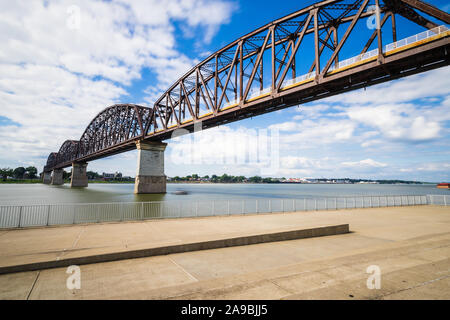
x: 65, y: 214
x: 392, y: 46
x: 416, y: 38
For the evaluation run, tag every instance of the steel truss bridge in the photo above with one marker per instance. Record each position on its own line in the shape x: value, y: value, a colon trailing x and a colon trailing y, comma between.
x: 287, y: 62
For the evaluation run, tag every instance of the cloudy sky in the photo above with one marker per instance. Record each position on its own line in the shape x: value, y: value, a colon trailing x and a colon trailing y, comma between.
x: 62, y: 62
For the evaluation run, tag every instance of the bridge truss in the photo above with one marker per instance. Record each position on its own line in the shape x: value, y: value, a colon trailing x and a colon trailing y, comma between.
x: 289, y: 61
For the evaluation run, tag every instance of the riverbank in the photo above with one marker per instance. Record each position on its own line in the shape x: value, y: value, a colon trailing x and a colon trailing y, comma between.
x: 409, y: 244
x: 25, y: 181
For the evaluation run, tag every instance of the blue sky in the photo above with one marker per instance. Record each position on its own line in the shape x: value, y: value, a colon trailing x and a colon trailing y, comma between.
x: 62, y: 62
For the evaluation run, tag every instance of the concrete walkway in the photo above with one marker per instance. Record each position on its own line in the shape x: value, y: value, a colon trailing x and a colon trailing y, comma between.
x: 411, y: 245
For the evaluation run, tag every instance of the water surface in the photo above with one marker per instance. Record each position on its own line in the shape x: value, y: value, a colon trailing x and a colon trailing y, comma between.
x: 99, y: 193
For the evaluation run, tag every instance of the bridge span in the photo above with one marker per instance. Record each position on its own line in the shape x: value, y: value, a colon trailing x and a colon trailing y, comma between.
x: 287, y: 62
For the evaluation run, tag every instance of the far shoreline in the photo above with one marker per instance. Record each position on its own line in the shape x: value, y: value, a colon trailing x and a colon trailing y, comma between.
x: 15, y: 182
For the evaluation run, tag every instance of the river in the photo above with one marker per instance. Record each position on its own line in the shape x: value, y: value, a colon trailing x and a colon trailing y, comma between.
x: 21, y: 194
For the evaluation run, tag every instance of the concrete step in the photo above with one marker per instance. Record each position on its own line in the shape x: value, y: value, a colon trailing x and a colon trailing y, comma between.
x: 405, y: 265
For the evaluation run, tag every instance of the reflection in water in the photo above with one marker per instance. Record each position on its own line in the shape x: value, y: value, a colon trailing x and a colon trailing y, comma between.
x: 180, y: 192
x: 95, y: 193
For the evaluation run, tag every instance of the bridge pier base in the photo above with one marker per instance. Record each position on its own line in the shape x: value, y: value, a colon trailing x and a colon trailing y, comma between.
x: 150, y: 177
x: 57, y: 177
x: 79, y: 177
x: 47, y: 177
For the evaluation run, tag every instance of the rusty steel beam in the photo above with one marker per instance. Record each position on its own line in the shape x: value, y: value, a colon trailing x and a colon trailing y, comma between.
x: 429, y: 9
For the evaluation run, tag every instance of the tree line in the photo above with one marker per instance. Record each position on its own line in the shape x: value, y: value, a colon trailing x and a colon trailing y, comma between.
x: 19, y: 173
x: 225, y: 178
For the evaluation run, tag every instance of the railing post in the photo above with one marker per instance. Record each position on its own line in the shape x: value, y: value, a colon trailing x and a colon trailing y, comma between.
x: 345, y: 202
x: 243, y: 206
x: 270, y: 205
x: 445, y: 200
x: 282, y: 205
x: 370, y: 202
x: 142, y: 211
x: 304, y: 203
x: 213, y: 208
x: 196, y: 208
x: 315, y: 204
x: 20, y: 216
x: 294, y: 207
x: 256, y: 204
x: 48, y: 214
x: 335, y: 203
x: 228, y: 207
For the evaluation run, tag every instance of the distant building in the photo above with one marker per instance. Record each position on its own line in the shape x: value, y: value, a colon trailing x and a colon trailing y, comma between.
x: 112, y: 176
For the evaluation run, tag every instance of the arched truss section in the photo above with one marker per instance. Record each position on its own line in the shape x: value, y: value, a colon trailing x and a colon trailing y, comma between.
x: 114, y: 126
x: 306, y: 48
x: 52, y: 160
x: 68, y: 151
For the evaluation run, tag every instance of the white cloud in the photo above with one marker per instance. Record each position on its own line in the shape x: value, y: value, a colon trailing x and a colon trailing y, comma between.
x: 314, y: 133
x: 364, y: 163
x: 312, y: 111
x: 56, y: 75
x: 425, y: 85
x: 434, y: 166
x: 398, y: 122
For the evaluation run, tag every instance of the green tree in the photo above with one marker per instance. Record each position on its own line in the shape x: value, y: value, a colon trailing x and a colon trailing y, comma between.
x: 67, y: 175
x: 32, y: 172
x: 255, y: 179
x: 19, y: 172
x: 6, y: 172
x: 93, y: 175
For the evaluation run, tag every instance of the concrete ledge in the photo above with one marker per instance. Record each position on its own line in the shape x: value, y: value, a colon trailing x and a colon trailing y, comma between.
x: 205, y: 245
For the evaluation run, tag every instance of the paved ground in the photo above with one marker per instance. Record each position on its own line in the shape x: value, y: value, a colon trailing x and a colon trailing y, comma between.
x: 411, y: 246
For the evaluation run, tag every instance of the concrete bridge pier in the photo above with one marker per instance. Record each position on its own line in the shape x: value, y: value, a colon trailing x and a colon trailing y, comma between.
x: 150, y: 177
x: 47, y: 177
x: 79, y: 176
x: 57, y: 177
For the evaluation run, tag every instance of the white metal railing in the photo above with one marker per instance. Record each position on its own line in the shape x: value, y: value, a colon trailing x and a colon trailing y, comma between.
x: 298, y: 79
x: 416, y: 38
x: 439, y: 199
x: 14, y: 216
x: 256, y: 93
x: 231, y: 103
